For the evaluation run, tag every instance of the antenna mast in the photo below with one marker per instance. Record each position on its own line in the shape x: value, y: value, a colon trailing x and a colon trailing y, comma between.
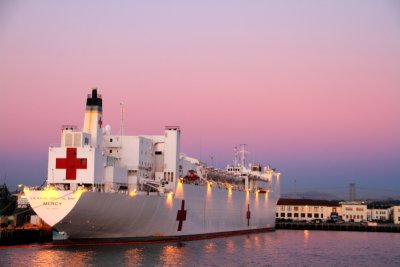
x: 242, y: 153
x: 122, y: 118
x: 235, y: 154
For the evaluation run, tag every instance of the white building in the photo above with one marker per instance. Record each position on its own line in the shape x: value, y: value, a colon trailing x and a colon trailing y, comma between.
x: 396, y: 214
x: 354, y: 211
x: 378, y: 214
x: 306, y: 209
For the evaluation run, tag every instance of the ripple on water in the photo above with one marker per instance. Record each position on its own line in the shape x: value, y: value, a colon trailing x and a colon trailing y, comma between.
x: 280, y: 248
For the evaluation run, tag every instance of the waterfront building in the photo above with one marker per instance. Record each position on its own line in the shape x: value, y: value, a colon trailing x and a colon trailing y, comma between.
x: 354, y: 211
x: 306, y: 209
x: 378, y: 214
x: 395, y: 210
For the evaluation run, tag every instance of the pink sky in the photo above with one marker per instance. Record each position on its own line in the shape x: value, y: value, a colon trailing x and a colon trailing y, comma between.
x: 312, y: 88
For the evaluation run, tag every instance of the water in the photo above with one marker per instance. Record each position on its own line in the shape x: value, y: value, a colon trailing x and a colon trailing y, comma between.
x: 280, y: 248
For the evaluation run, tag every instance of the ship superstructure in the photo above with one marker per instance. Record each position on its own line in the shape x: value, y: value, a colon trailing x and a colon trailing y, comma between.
x: 106, y: 186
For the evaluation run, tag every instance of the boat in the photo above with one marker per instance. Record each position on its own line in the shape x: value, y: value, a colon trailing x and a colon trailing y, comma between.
x: 104, y: 187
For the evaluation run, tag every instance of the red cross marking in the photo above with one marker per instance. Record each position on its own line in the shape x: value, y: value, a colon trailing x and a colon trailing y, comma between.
x: 248, y: 214
x: 181, y: 216
x: 71, y: 164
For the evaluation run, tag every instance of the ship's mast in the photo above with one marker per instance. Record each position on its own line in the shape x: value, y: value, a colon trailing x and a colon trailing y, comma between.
x: 242, y: 154
x: 235, y: 155
x: 122, y: 119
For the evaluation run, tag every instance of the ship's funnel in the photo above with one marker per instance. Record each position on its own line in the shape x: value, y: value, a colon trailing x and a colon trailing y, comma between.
x: 93, y: 118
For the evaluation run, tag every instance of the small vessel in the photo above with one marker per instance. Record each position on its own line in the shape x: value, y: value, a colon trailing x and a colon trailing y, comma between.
x: 114, y: 187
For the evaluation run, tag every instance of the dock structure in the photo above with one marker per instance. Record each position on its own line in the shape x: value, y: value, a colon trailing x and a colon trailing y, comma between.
x: 25, y: 236
x: 393, y: 228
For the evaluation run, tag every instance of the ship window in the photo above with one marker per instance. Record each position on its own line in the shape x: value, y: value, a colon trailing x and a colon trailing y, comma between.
x: 158, y: 153
x: 110, y: 150
x: 111, y: 140
x: 86, y: 141
x: 282, y: 214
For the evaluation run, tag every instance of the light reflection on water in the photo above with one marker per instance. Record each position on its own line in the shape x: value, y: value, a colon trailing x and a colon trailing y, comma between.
x: 74, y: 258
x: 306, y: 236
x: 134, y: 256
x: 280, y: 248
x: 172, y: 255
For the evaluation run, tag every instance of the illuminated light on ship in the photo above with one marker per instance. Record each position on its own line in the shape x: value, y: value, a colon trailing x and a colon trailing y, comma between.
x: 132, y: 193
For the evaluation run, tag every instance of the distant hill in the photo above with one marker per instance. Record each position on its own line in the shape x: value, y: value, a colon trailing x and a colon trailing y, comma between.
x: 310, y: 195
x: 327, y: 196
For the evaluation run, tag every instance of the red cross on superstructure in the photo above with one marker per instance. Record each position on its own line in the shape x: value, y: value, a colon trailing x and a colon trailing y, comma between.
x: 71, y: 164
x: 248, y: 214
x: 181, y: 215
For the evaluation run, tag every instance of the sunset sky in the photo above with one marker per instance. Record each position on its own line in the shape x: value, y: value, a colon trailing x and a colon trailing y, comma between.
x: 312, y: 87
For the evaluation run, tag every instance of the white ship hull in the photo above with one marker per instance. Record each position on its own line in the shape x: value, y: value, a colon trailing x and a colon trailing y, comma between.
x: 114, y: 216
x: 104, y: 186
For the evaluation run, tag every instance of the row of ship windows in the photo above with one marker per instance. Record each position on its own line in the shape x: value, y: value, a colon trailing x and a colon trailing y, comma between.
x: 140, y: 173
x: 142, y: 163
x: 301, y: 215
x: 141, y: 152
x: 146, y: 164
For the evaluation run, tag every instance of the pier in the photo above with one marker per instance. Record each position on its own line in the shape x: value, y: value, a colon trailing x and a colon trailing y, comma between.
x: 25, y: 236
x: 393, y: 228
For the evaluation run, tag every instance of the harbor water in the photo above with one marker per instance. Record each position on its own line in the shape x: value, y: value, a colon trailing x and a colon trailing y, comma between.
x: 280, y: 248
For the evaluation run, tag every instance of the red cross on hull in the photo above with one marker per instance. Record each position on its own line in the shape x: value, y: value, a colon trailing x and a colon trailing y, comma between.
x: 248, y: 214
x: 181, y: 215
x: 71, y: 163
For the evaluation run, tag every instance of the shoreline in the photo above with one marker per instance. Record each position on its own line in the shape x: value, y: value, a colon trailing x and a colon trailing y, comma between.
x: 390, y: 228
